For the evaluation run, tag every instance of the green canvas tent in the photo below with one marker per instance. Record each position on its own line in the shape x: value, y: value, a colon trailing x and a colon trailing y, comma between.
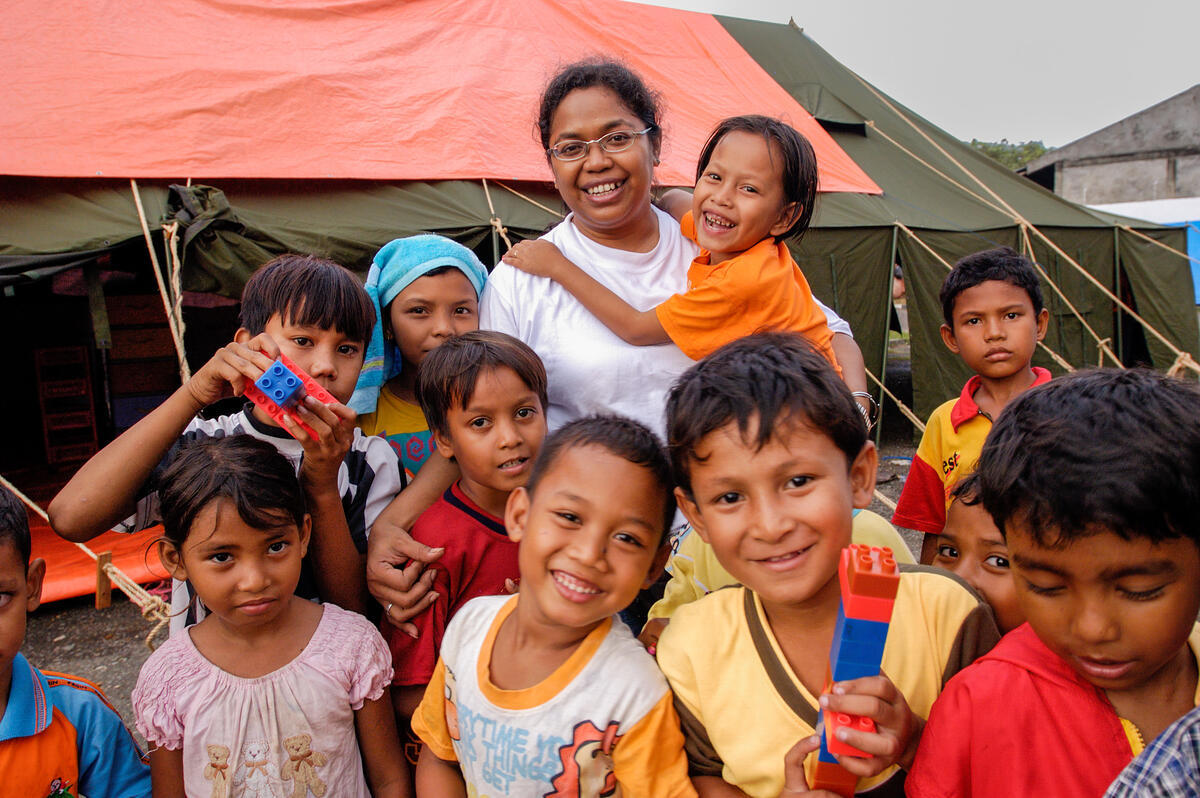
x: 938, y: 195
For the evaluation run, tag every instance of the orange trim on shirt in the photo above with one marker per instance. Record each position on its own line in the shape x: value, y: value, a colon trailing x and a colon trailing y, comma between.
x: 549, y: 687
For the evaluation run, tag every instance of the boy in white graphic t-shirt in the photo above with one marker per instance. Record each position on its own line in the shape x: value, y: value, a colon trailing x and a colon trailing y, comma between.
x: 546, y: 693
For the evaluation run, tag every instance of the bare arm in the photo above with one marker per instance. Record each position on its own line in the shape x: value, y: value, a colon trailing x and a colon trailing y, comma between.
x: 104, y: 490
x: 715, y: 787
x: 541, y: 258
x: 676, y: 202
x: 384, y: 762
x: 166, y: 773
x: 394, y: 560
x: 437, y: 777
x: 854, y: 368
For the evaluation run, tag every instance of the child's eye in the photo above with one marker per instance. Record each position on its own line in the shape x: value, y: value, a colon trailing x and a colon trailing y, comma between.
x: 970, y: 322
x: 222, y: 557
x: 713, y: 176
x: 479, y: 423
x: 750, y: 189
x: 1012, y: 314
x: 947, y: 552
x: 1142, y: 595
x: 301, y: 340
x: 5, y: 599
x: 570, y: 518
x: 799, y: 481
x: 1043, y: 591
x: 348, y: 349
x: 997, y: 561
x: 526, y: 412
x: 728, y: 498
x: 277, y: 547
x: 417, y: 311
x: 463, y: 310
x: 625, y: 537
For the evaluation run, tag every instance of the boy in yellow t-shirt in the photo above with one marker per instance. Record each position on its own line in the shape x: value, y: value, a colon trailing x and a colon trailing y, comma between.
x: 770, y: 458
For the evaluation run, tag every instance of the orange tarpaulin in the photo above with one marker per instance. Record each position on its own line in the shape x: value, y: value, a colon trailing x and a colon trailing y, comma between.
x: 370, y: 89
x: 71, y: 573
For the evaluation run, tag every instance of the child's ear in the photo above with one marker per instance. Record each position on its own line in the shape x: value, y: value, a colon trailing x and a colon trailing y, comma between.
x: 305, y: 534
x: 687, y: 506
x: 949, y: 340
x: 788, y: 215
x: 1043, y: 321
x: 172, y: 559
x: 660, y: 561
x: 862, y: 474
x: 242, y: 336
x: 516, y: 514
x: 444, y: 446
x: 35, y: 576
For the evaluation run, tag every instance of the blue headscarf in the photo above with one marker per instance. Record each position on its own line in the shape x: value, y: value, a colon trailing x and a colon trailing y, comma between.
x: 395, y: 267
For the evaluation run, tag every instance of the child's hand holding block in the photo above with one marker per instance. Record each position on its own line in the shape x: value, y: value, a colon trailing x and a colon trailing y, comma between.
x: 281, y: 388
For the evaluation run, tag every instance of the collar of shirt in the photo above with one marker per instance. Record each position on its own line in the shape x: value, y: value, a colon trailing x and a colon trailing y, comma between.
x: 30, y: 708
x: 966, y: 408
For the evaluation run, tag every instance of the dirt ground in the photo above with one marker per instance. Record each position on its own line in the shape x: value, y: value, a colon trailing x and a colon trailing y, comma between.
x: 108, y: 646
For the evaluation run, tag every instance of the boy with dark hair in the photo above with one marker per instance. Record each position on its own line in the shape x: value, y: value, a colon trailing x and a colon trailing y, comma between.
x: 58, y: 733
x: 994, y: 319
x: 770, y: 457
x: 484, y: 396
x: 1105, y: 551
x: 546, y: 692
x: 317, y: 313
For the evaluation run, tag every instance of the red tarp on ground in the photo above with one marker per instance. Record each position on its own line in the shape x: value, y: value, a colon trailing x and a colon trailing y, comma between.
x: 363, y: 89
x: 71, y: 573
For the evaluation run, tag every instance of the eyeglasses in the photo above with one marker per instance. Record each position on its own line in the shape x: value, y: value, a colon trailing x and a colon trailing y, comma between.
x: 617, y: 141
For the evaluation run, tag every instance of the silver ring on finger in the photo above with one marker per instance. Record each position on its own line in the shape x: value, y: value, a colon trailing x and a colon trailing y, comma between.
x: 388, y: 609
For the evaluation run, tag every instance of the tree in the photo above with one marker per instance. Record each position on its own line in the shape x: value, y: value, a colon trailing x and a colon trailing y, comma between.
x: 1010, y: 155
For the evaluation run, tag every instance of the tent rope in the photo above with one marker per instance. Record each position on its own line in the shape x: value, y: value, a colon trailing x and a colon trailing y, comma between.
x: 1016, y: 216
x: 1182, y: 361
x: 1160, y: 244
x: 497, y: 224
x: 1055, y: 356
x: 175, y: 258
x: 531, y: 200
x: 153, y: 608
x: 885, y: 501
x: 173, y: 323
x: 908, y: 413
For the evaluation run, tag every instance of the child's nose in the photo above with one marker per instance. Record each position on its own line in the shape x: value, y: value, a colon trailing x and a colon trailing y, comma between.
x: 252, y: 577
x: 589, y: 547
x: 770, y: 521
x: 1094, y: 624
x: 507, y: 434
x: 443, y: 325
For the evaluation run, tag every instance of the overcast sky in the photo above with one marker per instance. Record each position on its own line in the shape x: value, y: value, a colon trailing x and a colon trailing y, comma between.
x: 1053, y: 70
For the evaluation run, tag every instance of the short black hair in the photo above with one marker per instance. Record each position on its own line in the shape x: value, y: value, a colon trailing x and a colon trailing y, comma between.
x: 1003, y: 264
x: 798, y: 162
x: 624, y: 437
x: 612, y: 75
x: 768, y: 378
x: 14, y: 525
x: 1104, y: 449
x: 305, y: 289
x: 250, y: 474
x: 447, y: 376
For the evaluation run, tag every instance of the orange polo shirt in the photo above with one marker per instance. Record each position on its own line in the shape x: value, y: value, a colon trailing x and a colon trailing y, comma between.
x: 760, y: 289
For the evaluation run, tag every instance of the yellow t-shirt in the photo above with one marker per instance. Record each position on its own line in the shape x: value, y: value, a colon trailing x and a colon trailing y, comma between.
x: 695, y: 571
x: 727, y: 671
x: 403, y: 425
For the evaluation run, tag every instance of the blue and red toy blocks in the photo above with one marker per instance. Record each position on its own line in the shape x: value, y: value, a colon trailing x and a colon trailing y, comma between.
x: 869, y: 579
x: 282, y: 387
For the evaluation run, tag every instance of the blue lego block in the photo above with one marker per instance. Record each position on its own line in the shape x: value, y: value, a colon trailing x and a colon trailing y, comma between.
x: 857, y: 640
x: 281, y: 385
x: 845, y: 670
x: 823, y: 752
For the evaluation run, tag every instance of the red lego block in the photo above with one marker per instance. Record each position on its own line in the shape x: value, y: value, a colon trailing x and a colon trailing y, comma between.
x: 829, y: 776
x: 838, y: 720
x: 869, y: 580
x: 311, y: 388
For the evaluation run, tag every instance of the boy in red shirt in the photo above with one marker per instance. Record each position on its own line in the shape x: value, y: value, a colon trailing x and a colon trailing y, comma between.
x: 484, y: 396
x: 1105, y: 551
x: 994, y: 319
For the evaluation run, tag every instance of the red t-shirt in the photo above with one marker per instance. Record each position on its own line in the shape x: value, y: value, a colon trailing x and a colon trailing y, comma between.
x: 479, y: 557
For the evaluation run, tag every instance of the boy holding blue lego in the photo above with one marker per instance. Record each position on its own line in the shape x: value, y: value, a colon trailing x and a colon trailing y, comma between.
x: 1094, y: 479
x: 994, y: 318
x: 770, y: 457
x: 58, y: 734
x: 317, y: 314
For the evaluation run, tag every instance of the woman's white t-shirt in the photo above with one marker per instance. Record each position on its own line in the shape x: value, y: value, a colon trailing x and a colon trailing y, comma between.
x: 588, y: 367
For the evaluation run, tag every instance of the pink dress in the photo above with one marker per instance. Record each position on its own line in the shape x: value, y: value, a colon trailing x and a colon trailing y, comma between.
x: 287, y: 734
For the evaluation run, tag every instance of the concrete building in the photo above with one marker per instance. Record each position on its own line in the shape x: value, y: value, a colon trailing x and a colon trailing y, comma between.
x: 1151, y: 155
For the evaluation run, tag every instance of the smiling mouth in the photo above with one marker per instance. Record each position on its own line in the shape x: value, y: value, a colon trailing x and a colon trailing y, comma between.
x: 713, y: 220
x: 516, y: 462
x: 603, y: 189
x: 787, y: 559
x: 573, y: 587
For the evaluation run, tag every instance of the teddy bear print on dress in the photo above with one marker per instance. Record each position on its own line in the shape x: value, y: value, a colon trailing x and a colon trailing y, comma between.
x: 255, y: 777
x: 302, y: 765
x: 217, y: 770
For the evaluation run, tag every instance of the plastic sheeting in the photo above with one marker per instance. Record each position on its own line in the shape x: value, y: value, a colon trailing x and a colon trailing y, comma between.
x: 377, y: 90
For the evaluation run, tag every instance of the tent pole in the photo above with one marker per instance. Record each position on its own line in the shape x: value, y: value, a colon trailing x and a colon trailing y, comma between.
x: 887, y: 333
x: 173, y: 323
x: 1120, y: 332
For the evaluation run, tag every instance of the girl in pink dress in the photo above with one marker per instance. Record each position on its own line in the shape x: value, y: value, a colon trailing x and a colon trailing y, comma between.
x: 269, y: 696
